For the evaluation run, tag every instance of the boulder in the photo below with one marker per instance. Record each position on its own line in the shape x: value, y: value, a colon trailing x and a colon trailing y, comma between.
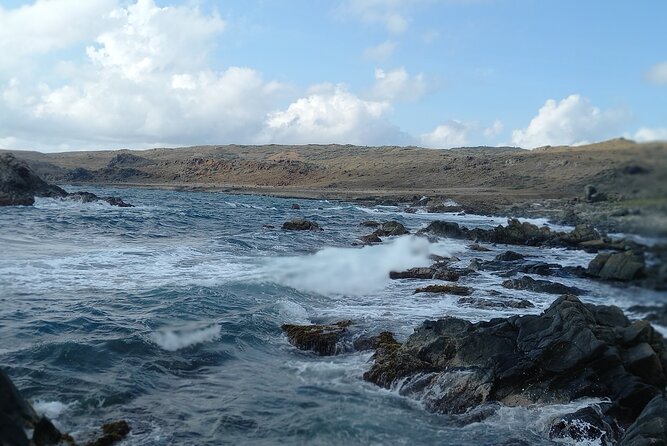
x: 413, y: 273
x: 623, y: 266
x: 322, y: 339
x: 112, y: 433
x: 509, y: 256
x: 540, y: 286
x: 650, y: 428
x: 301, y: 224
x: 370, y: 239
x: 495, y: 303
x: 19, y: 184
x: 446, y: 289
x: 390, y: 228
x: 588, y: 425
x: 572, y: 350
x: 479, y: 248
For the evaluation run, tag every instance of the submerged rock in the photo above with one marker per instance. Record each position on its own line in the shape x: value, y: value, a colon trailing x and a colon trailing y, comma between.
x: 301, y: 224
x: 322, y: 339
x: 540, y: 286
x: 446, y: 289
x: 572, y: 350
x: 370, y: 223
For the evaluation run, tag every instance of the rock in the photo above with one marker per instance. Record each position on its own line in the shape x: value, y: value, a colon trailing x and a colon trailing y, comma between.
x: 17, y: 416
x: 580, y: 234
x: 653, y: 313
x: 296, y: 206
x: 587, y: 425
x: 449, y: 274
x: 89, y: 197
x: 446, y: 229
x: 570, y: 351
x: 390, y: 228
x: 489, y: 303
x: 113, y: 432
x: 634, y: 169
x: 650, y: 428
x: 540, y: 286
x: 117, y: 201
x: 623, y: 266
x: 413, y: 273
x: 301, y: 224
x: 592, y: 195
x: 370, y: 223
x: 322, y: 339
x: 370, y: 239
x: 382, y: 340
x: 478, y: 247
x: 267, y: 226
x: 509, y: 256
x: 446, y: 289
x: 19, y: 184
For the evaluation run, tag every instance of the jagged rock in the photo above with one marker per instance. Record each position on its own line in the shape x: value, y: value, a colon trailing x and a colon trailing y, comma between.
x: 624, y: 266
x: 301, y: 224
x: 650, y: 428
x: 19, y: 184
x: 540, y: 286
x: 492, y: 303
x: 322, y: 339
x: 570, y: 351
x: 390, y: 228
x: 589, y: 425
x: 580, y: 234
x: 113, y: 432
x: 509, y: 256
x: 446, y: 289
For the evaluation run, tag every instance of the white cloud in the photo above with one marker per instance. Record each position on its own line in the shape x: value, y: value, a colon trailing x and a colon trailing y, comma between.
x: 389, y: 13
x: 331, y: 114
x: 495, y: 129
x: 380, y: 52
x: 397, y: 85
x: 646, y: 134
x: 572, y: 121
x: 658, y: 73
x: 49, y: 25
x: 448, y: 135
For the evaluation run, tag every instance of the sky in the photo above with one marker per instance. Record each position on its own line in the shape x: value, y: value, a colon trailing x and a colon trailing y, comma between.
x: 102, y: 74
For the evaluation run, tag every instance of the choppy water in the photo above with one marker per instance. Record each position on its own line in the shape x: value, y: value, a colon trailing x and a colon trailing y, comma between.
x: 168, y: 315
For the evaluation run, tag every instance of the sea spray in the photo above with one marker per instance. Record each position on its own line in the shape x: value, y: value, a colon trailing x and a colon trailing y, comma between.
x: 172, y: 340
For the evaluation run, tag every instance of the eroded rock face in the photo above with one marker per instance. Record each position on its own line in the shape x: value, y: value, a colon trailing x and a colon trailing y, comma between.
x: 321, y: 339
x: 301, y: 224
x: 570, y: 351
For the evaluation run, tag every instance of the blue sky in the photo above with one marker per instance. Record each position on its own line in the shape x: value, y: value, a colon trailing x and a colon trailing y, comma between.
x: 435, y: 73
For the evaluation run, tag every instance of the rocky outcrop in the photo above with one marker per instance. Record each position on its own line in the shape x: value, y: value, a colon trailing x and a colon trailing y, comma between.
x: 321, y: 339
x: 391, y: 228
x: 650, y: 428
x: 446, y: 289
x: 623, y: 266
x: 540, y: 286
x: 570, y: 351
x: 509, y: 256
x: 301, y: 224
x: 437, y: 272
x: 370, y: 239
x: 495, y: 303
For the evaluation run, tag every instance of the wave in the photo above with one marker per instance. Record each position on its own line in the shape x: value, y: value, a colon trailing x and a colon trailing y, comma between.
x: 50, y: 409
x: 172, y: 340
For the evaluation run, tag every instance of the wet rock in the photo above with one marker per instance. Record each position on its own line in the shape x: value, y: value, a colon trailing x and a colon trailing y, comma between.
x: 623, y: 266
x: 89, y: 197
x: 301, y: 224
x: 413, y: 273
x: 509, y: 256
x: 570, y: 351
x: 650, y: 428
x: 588, y: 425
x: 322, y: 339
x: 446, y: 289
x: 449, y: 274
x: 580, y: 234
x: 267, y: 226
x: 296, y: 206
x: 478, y: 247
x: 540, y: 286
x: 382, y: 340
x: 370, y: 239
x: 370, y: 223
x: 493, y: 303
x: 390, y: 228
x: 113, y: 432
x: 19, y: 184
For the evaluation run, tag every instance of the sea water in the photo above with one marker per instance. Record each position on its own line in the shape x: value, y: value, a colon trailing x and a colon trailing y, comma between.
x: 168, y: 315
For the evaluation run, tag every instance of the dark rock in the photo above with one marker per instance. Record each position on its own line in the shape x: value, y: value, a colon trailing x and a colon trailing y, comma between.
x: 540, y: 286
x: 19, y: 184
x: 650, y: 428
x: 296, y: 206
x: 446, y: 289
x: 383, y: 340
x: 413, y: 273
x: 390, y: 228
x: 322, y: 339
x: 45, y: 433
x: 592, y: 195
x: 653, y: 313
x: 117, y: 201
x: 492, y: 303
x: 267, y: 226
x: 113, y: 432
x: 580, y: 234
x: 370, y: 239
x: 478, y: 247
x: 623, y: 266
x: 634, y: 169
x: 572, y: 350
x: 301, y: 224
x: 509, y: 256
x: 79, y: 174
x: 589, y: 424
x: 449, y: 274
x: 370, y: 223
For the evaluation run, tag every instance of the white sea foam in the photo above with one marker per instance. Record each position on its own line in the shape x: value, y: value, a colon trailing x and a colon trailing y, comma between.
x: 172, y: 340
x: 354, y: 271
x: 50, y: 409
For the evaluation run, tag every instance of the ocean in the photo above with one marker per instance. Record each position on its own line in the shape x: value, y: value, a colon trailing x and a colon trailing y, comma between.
x: 168, y: 315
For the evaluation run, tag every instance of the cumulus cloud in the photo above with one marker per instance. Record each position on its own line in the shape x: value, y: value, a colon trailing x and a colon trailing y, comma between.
x: 49, y: 25
x: 389, y: 13
x: 646, y: 134
x: 380, y: 52
x: 398, y: 85
x: 448, y: 135
x: 332, y: 114
x: 571, y: 121
x: 658, y: 73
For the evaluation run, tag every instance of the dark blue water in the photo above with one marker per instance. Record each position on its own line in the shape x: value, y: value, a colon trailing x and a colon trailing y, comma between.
x: 168, y: 315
